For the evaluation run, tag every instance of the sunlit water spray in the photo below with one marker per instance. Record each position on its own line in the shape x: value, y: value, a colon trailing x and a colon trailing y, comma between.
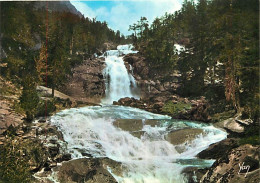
x: 119, y: 83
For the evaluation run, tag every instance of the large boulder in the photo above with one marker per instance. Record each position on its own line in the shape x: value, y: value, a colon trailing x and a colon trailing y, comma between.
x: 239, y: 165
x: 132, y: 102
x: 85, y: 170
x: 234, y: 128
x: 185, y: 135
x: 216, y: 150
x: 125, y: 101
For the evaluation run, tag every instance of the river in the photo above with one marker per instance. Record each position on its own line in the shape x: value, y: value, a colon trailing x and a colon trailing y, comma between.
x: 140, y: 140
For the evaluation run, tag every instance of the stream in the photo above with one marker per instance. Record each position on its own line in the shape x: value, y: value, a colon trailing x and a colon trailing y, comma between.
x: 152, y: 148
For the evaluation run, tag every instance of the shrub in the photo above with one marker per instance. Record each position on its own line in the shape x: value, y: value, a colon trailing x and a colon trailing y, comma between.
x: 45, y: 109
x: 253, y: 140
x: 13, y: 166
x: 172, y: 108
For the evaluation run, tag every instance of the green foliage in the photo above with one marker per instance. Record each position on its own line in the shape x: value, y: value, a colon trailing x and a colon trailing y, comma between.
x: 29, y: 98
x: 253, y: 140
x: 221, y: 49
x: 13, y: 166
x: 173, y: 108
x: 45, y: 108
x: 70, y: 39
x: 19, y: 157
x: 157, y: 42
x: 251, y: 135
x: 217, y: 117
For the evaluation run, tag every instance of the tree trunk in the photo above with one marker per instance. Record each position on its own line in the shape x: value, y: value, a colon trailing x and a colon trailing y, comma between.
x: 71, y: 45
x: 52, y: 90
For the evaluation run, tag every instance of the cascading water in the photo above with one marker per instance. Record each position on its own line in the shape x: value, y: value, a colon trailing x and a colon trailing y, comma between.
x: 119, y: 83
x: 149, y: 158
x: 134, y: 137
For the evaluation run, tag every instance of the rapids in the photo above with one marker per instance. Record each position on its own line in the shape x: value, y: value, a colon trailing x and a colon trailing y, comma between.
x: 148, y: 159
x: 134, y: 137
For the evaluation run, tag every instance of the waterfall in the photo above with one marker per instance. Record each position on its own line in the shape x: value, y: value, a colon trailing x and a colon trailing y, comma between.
x: 149, y: 158
x: 138, y: 139
x: 119, y: 83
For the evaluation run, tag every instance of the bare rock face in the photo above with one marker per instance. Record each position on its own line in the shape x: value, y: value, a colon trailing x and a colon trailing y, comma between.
x: 150, y: 83
x: 239, y: 165
x: 7, y: 116
x: 86, y: 171
x: 87, y: 82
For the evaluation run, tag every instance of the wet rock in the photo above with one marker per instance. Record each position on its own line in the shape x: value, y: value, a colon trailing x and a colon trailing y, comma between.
x: 86, y: 154
x: 151, y: 122
x: 130, y: 125
x: 132, y: 102
x: 216, y: 150
x: 116, y: 167
x: 185, y: 135
x: 53, y: 150
x: 193, y: 174
x: 126, y: 101
x: 84, y: 170
x: 138, y: 134
x: 63, y: 157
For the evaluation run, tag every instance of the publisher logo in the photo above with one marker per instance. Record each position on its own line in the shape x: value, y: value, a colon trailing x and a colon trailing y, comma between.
x: 243, y: 169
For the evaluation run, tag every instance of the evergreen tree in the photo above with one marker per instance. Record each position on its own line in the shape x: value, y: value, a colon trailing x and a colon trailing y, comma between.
x: 29, y: 98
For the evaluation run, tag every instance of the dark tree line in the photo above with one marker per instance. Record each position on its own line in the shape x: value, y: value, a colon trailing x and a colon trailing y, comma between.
x: 221, y: 55
x: 70, y: 39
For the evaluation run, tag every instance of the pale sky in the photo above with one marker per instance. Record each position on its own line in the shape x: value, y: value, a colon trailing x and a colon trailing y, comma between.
x: 119, y: 14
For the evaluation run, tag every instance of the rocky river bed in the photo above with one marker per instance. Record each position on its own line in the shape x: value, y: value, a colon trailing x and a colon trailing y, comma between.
x: 133, y: 150
x: 135, y: 140
x: 56, y: 160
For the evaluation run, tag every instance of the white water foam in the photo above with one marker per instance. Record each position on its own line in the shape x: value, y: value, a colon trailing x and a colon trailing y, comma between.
x: 149, y: 159
x: 119, y: 83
